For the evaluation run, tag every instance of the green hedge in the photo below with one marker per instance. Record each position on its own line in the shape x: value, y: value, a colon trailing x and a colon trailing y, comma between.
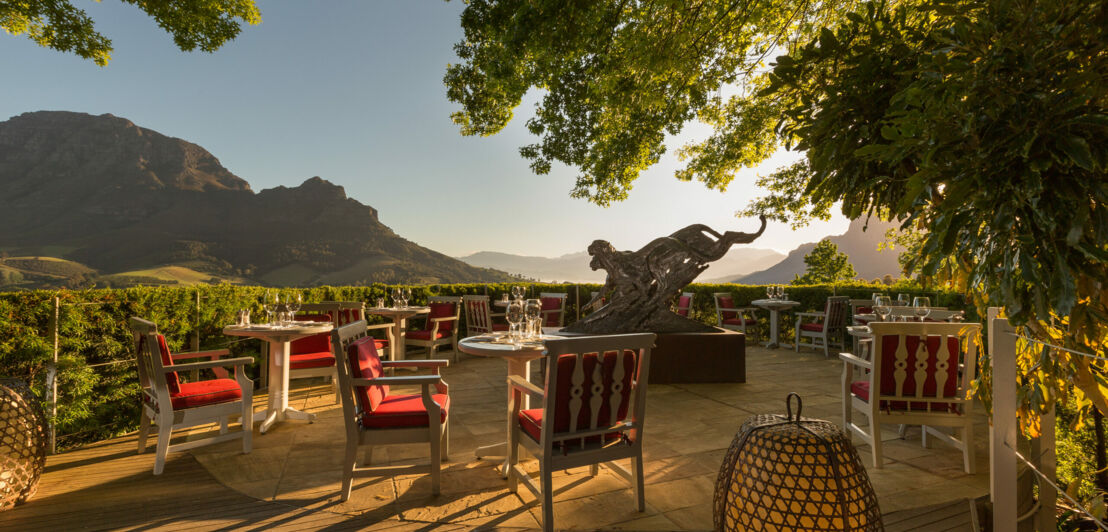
x: 97, y: 380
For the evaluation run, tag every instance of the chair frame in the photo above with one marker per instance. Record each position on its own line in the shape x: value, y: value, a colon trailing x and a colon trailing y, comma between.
x: 969, y: 336
x: 478, y: 313
x: 740, y: 312
x: 358, y: 437
x: 688, y: 310
x: 560, y: 311
x: 432, y: 344
x: 834, y: 326
x: 157, y: 405
x: 592, y: 454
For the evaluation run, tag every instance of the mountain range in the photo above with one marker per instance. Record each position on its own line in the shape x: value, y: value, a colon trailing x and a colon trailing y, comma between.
x: 120, y: 199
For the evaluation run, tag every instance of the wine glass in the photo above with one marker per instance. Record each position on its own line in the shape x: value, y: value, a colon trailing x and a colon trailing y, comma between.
x: 269, y: 303
x: 922, y: 307
x: 779, y: 291
x: 406, y: 295
x: 396, y: 297
x: 533, y: 312
x: 292, y: 303
x: 882, y: 306
x: 769, y: 291
x: 514, y: 315
x: 902, y: 300
x: 517, y: 292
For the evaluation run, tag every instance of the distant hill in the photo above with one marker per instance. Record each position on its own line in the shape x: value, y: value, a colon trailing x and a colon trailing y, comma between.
x: 122, y: 199
x: 860, y: 245
x: 574, y: 267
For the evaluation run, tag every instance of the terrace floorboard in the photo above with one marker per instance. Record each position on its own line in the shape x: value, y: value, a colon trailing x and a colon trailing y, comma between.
x: 291, y: 479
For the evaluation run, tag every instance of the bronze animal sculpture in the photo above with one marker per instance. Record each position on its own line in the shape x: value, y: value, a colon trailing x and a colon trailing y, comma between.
x: 644, y: 282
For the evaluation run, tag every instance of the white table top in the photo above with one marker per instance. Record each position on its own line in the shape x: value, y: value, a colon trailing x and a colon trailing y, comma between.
x: 777, y: 304
x: 397, y: 311
x: 278, y: 332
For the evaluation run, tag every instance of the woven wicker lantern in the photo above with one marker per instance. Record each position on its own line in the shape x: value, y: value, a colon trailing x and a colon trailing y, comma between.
x: 22, y: 443
x: 793, y: 473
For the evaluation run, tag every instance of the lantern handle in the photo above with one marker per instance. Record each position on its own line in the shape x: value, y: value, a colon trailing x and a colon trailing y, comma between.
x: 789, y: 406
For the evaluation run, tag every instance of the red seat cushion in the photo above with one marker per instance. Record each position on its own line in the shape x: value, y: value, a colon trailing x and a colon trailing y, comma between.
x: 864, y: 310
x: 500, y: 327
x: 550, y: 308
x: 321, y: 359
x: 531, y: 423
x: 426, y: 335
x: 397, y: 411
x: 740, y: 321
x: 210, y: 392
x: 311, y: 344
x: 727, y: 302
x: 814, y: 327
x: 365, y: 364
x: 861, y: 390
x: 172, y: 381
x: 683, y: 304
x: 440, y: 310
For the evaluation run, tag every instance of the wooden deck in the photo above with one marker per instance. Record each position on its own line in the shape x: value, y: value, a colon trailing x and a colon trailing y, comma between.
x: 290, y: 481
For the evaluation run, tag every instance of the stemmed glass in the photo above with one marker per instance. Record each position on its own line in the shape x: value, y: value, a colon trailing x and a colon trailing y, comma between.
x: 514, y: 315
x: 902, y: 300
x: 882, y: 306
x: 405, y: 295
x: 779, y: 291
x: 769, y: 291
x: 517, y: 292
x: 533, y: 312
x: 269, y: 303
x: 922, y: 307
x: 292, y: 303
x: 396, y: 297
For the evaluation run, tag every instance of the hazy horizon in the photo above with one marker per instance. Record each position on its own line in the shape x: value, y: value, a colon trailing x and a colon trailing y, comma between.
x: 352, y: 92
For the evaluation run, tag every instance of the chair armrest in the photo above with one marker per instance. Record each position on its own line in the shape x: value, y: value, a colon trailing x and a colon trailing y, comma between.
x: 495, y: 315
x: 855, y: 361
x: 748, y: 309
x: 385, y: 326
x: 432, y: 363
x: 523, y: 385
x: 406, y: 379
x: 721, y: 309
x: 444, y: 318
x: 200, y: 354
x: 221, y: 363
x: 811, y: 314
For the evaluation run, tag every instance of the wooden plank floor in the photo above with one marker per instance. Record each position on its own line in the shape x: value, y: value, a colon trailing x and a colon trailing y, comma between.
x: 952, y: 516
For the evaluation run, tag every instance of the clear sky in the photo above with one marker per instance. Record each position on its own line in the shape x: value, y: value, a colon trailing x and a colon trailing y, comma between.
x: 352, y: 91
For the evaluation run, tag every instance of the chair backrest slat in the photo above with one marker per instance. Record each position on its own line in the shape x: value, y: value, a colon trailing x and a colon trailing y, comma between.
x: 836, y: 313
x: 341, y: 312
x: 478, y: 319
x: 341, y: 339
x: 553, y: 314
x: 917, y: 364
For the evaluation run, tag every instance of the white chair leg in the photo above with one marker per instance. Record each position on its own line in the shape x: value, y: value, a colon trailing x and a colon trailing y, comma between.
x: 348, y: 466
x: 436, y: 457
x: 247, y: 421
x: 144, y: 431
x: 875, y: 433
x: 335, y: 383
x: 968, y: 451
x: 165, y: 432
x: 513, y: 459
x: 446, y: 441
x: 638, y: 486
x: 547, y: 499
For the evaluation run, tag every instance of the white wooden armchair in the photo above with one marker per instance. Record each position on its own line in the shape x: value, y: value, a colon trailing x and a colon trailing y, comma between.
x: 918, y: 374
x: 828, y: 327
x: 553, y: 308
x: 172, y: 404
x: 595, y: 395
x: 479, y: 316
x: 441, y: 327
x: 374, y: 416
x: 684, y: 304
x: 730, y: 316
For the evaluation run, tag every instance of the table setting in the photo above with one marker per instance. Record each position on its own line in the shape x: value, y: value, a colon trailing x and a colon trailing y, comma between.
x: 777, y: 300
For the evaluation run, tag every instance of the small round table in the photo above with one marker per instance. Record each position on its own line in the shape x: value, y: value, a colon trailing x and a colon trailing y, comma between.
x: 279, y: 337
x: 519, y: 363
x: 774, y: 306
x: 399, y: 317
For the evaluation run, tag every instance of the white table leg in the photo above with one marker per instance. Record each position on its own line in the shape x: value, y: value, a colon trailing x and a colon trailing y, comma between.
x: 277, y: 408
x: 771, y: 342
x: 398, y: 338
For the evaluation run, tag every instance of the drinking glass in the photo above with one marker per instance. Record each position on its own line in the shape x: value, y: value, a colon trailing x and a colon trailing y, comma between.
x: 244, y: 317
x: 922, y: 306
x: 517, y: 292
x: 881, y: 306
x: 396, y: 297
x: 514, y: 315
x: 269, y: 303
x: 902, y: 300
x: 405, y: 295
x: 532, y: 311
x: 779, y: 291
x: 292, y: 303
x: 769, y: 291
x: 380, y: 302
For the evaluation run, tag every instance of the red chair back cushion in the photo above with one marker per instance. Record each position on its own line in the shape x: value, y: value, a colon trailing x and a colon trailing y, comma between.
x: 683, y: 305
x: 172, y: 381
x: 889, y: 346
x: 566, y: 367
x: 554, y: 304
x: 441, y: 310
x: 316, y: 343
x: 727, y: 302
x: 365, y: 364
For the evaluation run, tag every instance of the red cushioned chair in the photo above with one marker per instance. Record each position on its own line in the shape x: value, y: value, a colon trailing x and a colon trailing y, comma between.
x: 684, y: 304
x: 374, y: 416
x: 595, y: 393
x: 173, y: 404
x: 553, y: 308
x: 828, y: 327
x: 730, y: 316
x: 311, y: 356
x: 441, y: 327
x: 921, y: 373
x: 479, y: 316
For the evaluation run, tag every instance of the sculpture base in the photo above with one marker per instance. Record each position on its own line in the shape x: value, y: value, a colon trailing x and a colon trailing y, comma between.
x: 718, y: 356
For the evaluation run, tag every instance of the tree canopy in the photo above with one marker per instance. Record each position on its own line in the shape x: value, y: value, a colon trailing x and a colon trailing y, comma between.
x: 826, y: 264
x: 60, y: 25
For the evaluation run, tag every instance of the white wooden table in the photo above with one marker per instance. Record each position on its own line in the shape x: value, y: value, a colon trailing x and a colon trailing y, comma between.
x: 399, y: 317
x: 279, y: 337
x: 774, y: 306
x: 519, y: 363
